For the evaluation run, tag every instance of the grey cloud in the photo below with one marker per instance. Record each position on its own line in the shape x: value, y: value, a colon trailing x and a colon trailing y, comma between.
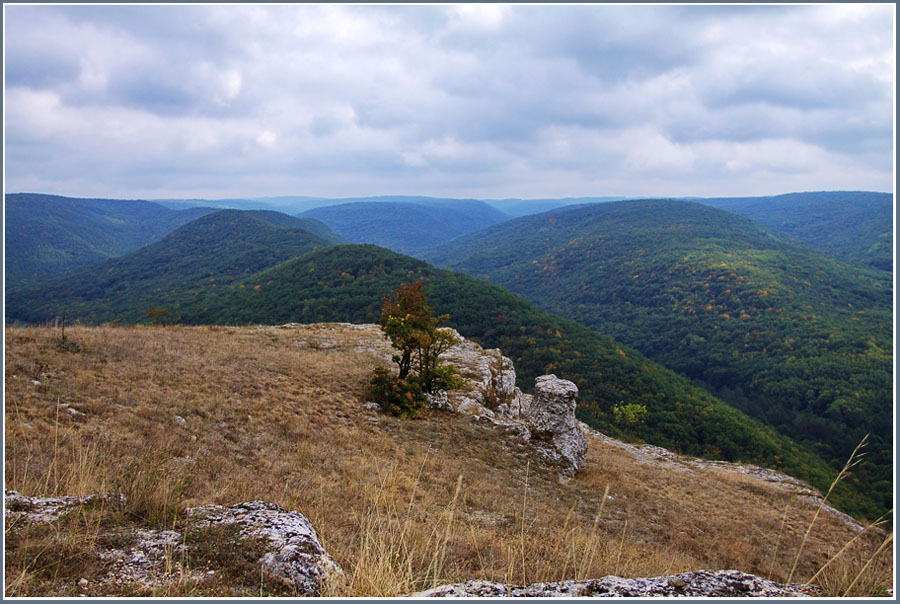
x: 447, y: 97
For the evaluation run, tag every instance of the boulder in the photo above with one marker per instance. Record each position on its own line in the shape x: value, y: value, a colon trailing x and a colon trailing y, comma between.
x: 699, y: 584
x: 296, y: 557
x: 551, y: 418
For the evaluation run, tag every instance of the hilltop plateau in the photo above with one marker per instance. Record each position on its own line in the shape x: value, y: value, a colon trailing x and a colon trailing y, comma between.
x: 177, y: 417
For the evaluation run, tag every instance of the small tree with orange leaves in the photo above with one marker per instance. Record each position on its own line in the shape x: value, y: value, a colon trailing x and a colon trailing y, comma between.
x: 409, y: 321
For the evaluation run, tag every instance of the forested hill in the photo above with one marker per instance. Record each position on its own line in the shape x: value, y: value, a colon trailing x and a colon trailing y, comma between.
x: 347, y: 283
x: 792, y: 336
x: 209, y: 252
x: 48, y: 235
x: 856, y: 225
x: 407, y: 226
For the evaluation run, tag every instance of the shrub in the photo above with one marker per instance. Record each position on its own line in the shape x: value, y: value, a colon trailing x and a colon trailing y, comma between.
x: 398, y: 396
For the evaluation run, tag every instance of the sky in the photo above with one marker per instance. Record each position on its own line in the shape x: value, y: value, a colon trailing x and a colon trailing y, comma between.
x: 469, y: 100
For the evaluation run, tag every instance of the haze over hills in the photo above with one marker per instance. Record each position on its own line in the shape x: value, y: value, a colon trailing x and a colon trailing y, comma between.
x: 855, y: 225
x: 407, y: 226
x: 233, y: 268
x: 48, y: 235
x: 796, y: 338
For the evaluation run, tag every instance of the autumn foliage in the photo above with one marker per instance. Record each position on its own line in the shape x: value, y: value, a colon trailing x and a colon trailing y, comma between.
x: 410, y: 323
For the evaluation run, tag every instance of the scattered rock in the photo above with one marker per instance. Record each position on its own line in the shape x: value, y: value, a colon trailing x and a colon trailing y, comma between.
x: 151, y: 560
x: 699, y: 584
x: 48, y: 509
x: 551, y: 418
x: 439, y: 401
x: 371, y: 406
x: 181, y: 420
x: 296, y: 558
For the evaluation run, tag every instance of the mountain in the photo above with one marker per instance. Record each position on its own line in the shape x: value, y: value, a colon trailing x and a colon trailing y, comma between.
x: 209, y: 252
x: 854, y: 225
x: 523, y: 207
x: 407, y: 226
x: 221, y: 270
x: 48, y: 235
x: 796, y: 338
x: 310, y: 225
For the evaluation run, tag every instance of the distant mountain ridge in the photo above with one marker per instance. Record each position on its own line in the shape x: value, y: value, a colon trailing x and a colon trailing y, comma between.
x: 407, y: 226
x: 48, y: 235
x: 855, y: 225
x: 212, y: 251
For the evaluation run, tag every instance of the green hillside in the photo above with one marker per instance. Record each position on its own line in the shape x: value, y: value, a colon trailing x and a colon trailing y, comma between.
x: 311, y: 225
x: 855, y: 225
x: 48, y: 235
x: 207, y: 253
x: 196, y: 276
x: 407, y: 226
x: 798, y: 339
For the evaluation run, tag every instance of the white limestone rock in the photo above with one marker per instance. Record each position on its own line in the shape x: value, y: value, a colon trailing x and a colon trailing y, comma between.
x: 296, y: 557
x: 551, y: 418
x: 699, y: 584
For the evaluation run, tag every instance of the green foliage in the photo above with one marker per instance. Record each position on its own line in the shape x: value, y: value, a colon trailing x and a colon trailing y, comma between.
x: 47, y: 235
x: 397, y: 396
x: 409, y: 322
x: 629, y: 414
x: 202, y: 256
x: 441, y: 377
x: 855, y: 225
x: 798, y: 339
x: 409, y: 225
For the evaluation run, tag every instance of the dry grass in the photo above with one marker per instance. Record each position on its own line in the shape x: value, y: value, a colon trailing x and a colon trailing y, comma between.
x: 182, y: 416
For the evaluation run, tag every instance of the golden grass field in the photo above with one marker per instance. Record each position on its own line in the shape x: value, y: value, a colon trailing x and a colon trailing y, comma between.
x: 401, y: 505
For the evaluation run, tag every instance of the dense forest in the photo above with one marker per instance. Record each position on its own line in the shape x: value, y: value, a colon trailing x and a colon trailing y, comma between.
x: 798, y: 339
x: 406, y: 226
x: 209, y: 252
x: 855, y: 225
x: 223, y: 270
x: 48, y: 235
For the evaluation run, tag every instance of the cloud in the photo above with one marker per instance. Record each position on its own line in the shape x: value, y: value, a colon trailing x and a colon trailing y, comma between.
x: 462, y: 100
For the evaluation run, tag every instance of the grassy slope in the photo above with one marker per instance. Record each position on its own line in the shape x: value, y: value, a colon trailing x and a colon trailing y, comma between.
x: 855, y: 225
x: 406, y: 226
x: 792, y: 336
x: 277, y: 415
x: 47, y: 235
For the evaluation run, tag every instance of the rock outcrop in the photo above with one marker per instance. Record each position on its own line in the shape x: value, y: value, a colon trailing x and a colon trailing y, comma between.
x: 296, y: 558
x: 699, y: 584
x: 550, y: 416
x: 151, y: 558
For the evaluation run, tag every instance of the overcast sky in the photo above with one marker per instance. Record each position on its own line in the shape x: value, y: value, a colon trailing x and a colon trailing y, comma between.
x: 485, y: 101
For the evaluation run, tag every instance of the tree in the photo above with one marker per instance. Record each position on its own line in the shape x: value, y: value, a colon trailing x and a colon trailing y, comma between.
x: 410, y: 323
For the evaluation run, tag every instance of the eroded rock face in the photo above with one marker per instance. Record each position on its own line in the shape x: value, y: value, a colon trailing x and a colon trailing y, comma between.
x: 491, y: 390
x: 551, y: 419
x: 296, y: 557
x: 704, y: 583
